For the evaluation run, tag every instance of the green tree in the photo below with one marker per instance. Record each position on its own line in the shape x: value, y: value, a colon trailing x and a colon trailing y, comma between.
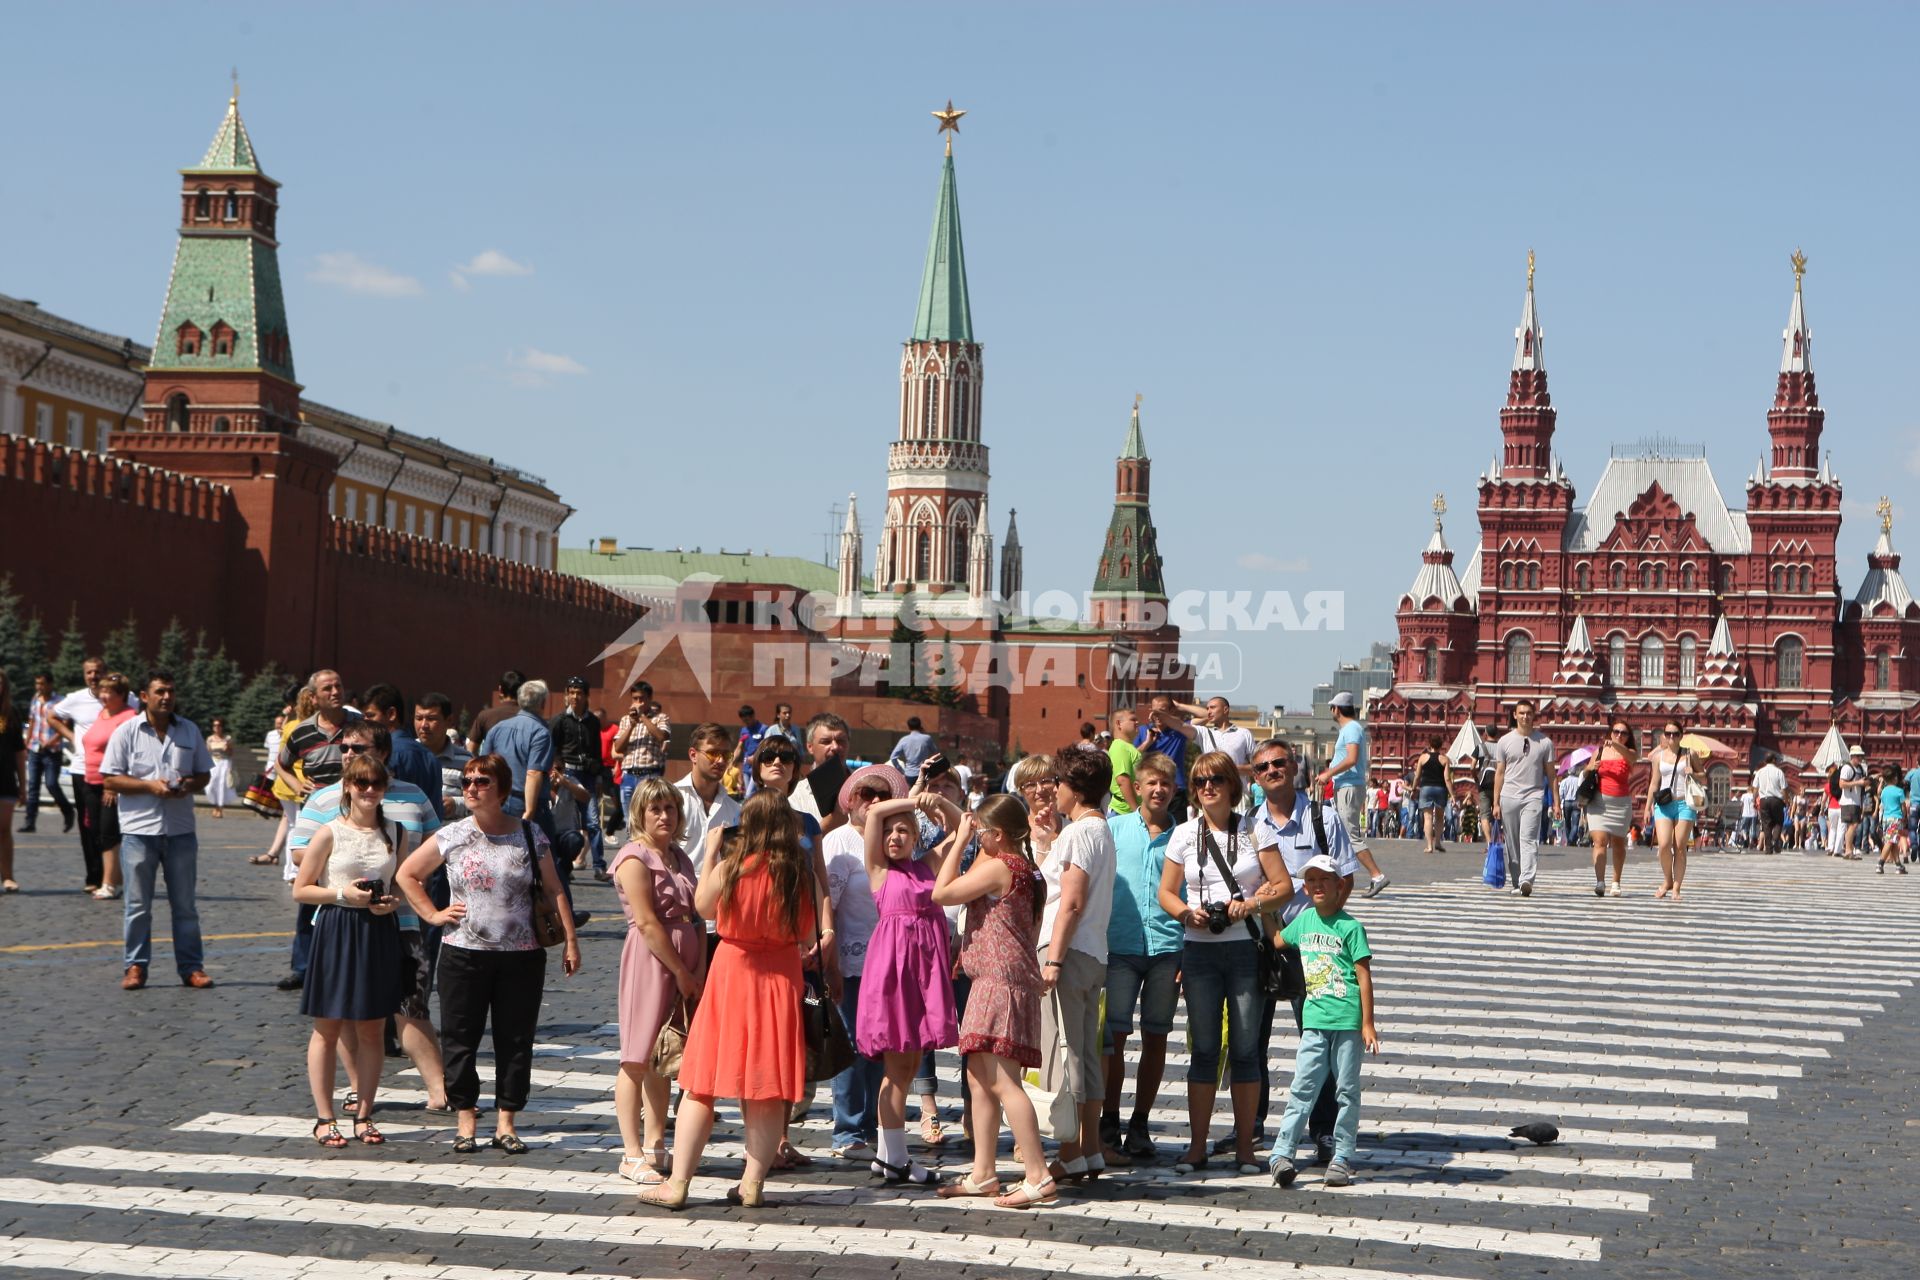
x: 173, y: 654
x: 71, y: 656
x: 121, y: 651
x: 209, y: 686
x: 16, y: 658
x: 256, y: 705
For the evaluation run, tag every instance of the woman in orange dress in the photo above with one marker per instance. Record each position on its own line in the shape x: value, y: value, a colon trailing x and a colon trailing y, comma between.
x: 746, y: 1041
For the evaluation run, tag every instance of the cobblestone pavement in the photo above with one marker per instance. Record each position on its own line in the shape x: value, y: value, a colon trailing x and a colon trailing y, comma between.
x: 1730, y: 1074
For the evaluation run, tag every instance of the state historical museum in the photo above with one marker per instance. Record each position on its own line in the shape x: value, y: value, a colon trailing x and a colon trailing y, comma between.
x: 1656, y: 599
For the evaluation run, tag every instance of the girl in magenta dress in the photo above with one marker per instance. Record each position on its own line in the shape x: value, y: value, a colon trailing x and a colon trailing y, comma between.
x: 906, y: 991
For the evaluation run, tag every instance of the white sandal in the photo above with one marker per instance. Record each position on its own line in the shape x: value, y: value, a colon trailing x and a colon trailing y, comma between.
x: 1027, y: 1195
x: 965, y: 1187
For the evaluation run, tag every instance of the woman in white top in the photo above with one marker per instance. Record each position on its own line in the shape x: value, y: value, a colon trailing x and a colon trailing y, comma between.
x: 1670, y: 808
x: 354, y: 973
x: 1221, y: 963
x: 287, y: 815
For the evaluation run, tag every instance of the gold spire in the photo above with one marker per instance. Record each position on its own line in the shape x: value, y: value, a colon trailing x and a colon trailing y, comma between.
x: 1529, y: 271
x: 234, y: 101
x: 1439, y: 508
x: 949, y: 122
x: 1136, y: 401
x: 1885, y: 508
x: 1799, y: 261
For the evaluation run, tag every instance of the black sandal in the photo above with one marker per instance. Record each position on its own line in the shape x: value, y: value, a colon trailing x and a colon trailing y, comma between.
x: 918, y: 1175
x: 363, y: 1130
x: 465, y: 1145
x: 332, y: 1138
x: 509, y: 1143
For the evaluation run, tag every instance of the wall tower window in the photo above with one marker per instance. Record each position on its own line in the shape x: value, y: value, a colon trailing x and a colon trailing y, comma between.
x: 1430, y: 666
x: 1582, y: 577
x: 1616, y: 659
x: 1882, y: 669
x: 1619, y: 577
x: 232, y: 213
x: 202, y: 204
x: 1653, y: 660
x: 177, y: 412
x: 1688, y: 580
x: 1519, y: 657
x: 923, y: 555
x: 1788, y: 657
x: 1688, y: 659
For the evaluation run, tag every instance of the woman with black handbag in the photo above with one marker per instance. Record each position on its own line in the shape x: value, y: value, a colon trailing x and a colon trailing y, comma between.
x: 493, y: 960
x: 1217, y: 884
x: 747, y: 1040
x: 662, y: 969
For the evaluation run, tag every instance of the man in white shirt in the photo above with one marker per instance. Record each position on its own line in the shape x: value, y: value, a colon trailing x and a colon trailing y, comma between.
x: 708, y: 806
x: 154, y: 765
x: 1217, y: 732
x: 1853, y: 787
x: 856, y: 1118
x: 1770, y: 785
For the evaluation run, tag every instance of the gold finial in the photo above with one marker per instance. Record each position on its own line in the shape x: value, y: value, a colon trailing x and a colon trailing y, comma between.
x: 1439, y: 508
x: 1885, y: 508
x: 1799, y: 261
x: 949, y: 122
x: 1529, y: 271
x: 1137, y: 397
x: 234, y: 101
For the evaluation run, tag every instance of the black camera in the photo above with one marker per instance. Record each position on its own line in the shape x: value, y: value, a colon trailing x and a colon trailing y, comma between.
x: 1216, y: 917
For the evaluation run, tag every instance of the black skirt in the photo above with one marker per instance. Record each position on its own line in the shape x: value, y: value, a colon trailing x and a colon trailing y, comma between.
x: 356, y: 967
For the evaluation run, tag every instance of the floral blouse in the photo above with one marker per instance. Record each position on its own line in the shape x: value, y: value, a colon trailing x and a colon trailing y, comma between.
x: 493, y: 876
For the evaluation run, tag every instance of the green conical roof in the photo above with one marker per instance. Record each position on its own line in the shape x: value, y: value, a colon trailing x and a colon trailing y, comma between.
x: 944, y: 314
x: 1136, y: 446
x: 232, y: 149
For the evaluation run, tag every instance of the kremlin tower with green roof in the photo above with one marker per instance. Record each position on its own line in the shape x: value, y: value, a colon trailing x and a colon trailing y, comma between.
x: 223, y: 359
x: 1130, y: 568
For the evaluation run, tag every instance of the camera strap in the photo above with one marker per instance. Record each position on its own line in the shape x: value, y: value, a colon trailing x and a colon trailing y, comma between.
x: 1212, y: 850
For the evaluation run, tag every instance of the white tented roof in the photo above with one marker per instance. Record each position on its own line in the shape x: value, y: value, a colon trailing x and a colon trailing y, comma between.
x: 1884, y: 585
x: 1689, y: 481
x: 1436, y: 579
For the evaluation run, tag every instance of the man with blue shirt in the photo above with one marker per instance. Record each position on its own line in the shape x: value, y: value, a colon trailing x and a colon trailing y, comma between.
x: 914, y: 749
x: 154, y: 765
x: 1168, y: 734
x: 1144, y: 946
x: 1301, y: 828
x: 1348, y: 773
x: 526, y: 744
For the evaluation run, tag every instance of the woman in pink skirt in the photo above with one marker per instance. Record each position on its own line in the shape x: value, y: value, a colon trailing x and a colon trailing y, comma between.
x: 662, y: 968
x: 1004, y: 898
x: 906, y: 992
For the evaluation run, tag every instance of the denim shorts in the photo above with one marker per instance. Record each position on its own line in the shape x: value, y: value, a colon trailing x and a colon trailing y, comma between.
x: 1676, y: 811
x: 1433, y: 798
x: 1152, y: 981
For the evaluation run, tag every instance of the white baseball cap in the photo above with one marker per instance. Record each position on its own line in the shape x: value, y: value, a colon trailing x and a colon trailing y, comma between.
x: 1321, y: 862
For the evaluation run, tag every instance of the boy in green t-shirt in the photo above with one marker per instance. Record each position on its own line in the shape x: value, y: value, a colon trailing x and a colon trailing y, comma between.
x: 1337, y: 1020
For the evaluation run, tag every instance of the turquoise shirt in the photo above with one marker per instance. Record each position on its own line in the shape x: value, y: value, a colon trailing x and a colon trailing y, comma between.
x: 1351, y: 733
x: 1138, y: 927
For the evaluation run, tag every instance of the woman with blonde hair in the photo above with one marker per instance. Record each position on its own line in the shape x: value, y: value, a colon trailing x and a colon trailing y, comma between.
x: 662, y: 968
x: 1036, y: 780
x: 747, y: 1041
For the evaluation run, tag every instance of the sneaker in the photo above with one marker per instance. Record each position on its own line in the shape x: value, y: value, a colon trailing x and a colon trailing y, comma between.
x: 1375, y: 885
x: 1613, y: 890
x: 1283, y: 1171
x: 292, y: 982
x: 1514, y: 889
x: 1526, y: 889
x: 1599, y: 888
x: 1339, y: 1175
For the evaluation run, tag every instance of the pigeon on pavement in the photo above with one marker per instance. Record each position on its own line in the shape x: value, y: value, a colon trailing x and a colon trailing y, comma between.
x: 1538, y: 1133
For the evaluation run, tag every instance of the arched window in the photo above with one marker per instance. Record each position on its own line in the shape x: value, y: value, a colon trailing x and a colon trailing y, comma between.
x: 1581, y: 577
x: 1430, y: 666
x: 1688, y: 659
x: 1533, y: 576
x: 1659, y: 577
x: 1616, y: 659
x: 959, y: 566
x: 1653, y: 660
x: 222, y: 426
x: 1787, y: 658
x: 1719, y: 785
x: 1619, y: 577
x: 1506, y: 574
x: 1882, y: 669
x: 930, y: 406
x: 1519, y: 657
x: 1688, y: 581
x: 1777, y: 578
x: 1726, y: 579
x: 202, y: 204
x: 187, y: 339
x: 177, y: 412
x: 1646, y: 577
x: 233, y: 205
x: 1804, y: 576
x: 962, y: 402
x: 923, y: 555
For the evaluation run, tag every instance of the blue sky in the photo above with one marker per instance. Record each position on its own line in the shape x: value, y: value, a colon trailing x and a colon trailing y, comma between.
x: 1299, y: 231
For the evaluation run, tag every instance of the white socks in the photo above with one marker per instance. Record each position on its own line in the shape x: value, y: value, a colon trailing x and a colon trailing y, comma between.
x: 893, y: 1147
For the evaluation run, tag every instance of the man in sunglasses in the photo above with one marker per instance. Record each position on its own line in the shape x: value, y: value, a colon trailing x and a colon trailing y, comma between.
x: 1301, y: 828
x: 1522, y: 784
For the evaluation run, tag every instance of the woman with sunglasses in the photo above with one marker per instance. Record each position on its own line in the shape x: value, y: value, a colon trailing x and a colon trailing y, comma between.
x: 354, y: 969
x: 1611, y: 812
x: 1667, y: 808
x: 492, y: 967
x: 1221, y: 963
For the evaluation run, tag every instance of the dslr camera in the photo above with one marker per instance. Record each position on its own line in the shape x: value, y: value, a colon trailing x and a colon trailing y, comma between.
x: 1217, y: 917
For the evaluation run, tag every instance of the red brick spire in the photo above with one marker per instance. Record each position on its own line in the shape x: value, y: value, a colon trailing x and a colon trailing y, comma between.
x: 1796, y: 419
x: 1527, y: 419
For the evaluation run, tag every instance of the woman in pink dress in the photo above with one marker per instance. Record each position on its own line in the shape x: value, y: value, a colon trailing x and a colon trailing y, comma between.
x: 662, y: 968
x: 906, y: 992
x: 1001, y: 1034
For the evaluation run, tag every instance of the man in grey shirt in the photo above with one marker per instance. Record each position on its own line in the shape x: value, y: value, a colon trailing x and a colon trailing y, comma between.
x: 1522, y: 784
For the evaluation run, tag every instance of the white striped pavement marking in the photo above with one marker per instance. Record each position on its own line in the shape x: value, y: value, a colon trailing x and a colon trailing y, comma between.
x: 1613, y: 1016
x: 1507, y: 1106
x: 1400, y: 1046
x: 652, y: 1228
x: 90, y: 1258
x: 1556, y: 1036
x: 1548, y: 998
x: 1498, y: 958
x: 1403, y: 962
x: 1486, y: 1076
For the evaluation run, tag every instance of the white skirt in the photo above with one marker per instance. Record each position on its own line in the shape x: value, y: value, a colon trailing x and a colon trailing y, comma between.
x: 220, y: 792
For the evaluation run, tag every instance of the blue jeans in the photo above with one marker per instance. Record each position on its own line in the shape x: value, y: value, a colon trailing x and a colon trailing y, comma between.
x: 856, y: 1091
x: 595, y: 842
x: 44, y: 766
x: 179, y: 858
x: 1323, y: 1053
x: 1223, y: 973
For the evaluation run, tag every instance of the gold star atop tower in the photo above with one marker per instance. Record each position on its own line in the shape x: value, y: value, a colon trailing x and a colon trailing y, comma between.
x: 1885, y: 508
x: 1439, y: 508
x: 1799, y: 261
x: 949, y: 122
x: 1529, y: 271
x: 1137, y: 398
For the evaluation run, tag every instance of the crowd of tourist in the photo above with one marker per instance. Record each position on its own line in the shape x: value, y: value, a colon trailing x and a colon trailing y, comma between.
x: 795, y: 920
